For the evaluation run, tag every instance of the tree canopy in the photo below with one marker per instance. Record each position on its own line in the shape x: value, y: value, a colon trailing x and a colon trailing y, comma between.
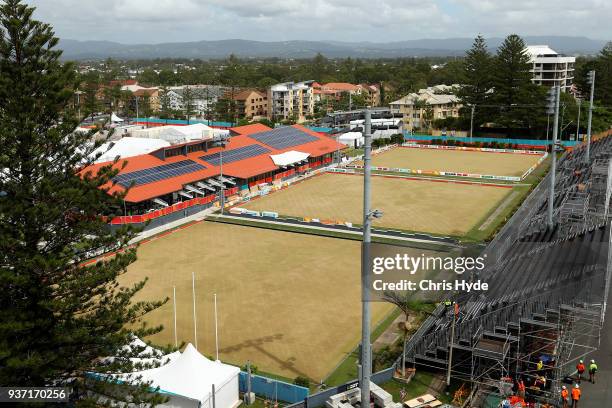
x: 58, y: 317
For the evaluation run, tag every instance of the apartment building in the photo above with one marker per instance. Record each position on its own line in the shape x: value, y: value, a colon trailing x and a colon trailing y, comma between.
x: 372, y: 93
x: 335, y: 90
x: 202, y: 98
x: 549, y: 68
x: 420, y: 109
x: 150, y: 95
x: 291, y: 100
x: 250, y: 103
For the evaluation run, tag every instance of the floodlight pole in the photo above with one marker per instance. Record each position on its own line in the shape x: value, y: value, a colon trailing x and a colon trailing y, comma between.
x: 588, y: 146
x: 450, y: 350
x: 553, y: 167
x: 366, y: 359
x: 547, y: 127
x: 578, y: 120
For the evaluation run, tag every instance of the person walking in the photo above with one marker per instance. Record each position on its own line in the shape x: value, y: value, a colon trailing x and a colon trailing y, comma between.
x: 580, y: 368
x: 565, y: 397
x: 592, y: 371
x: 576, y: 393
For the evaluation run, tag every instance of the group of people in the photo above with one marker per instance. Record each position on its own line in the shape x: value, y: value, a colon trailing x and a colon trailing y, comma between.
x: 576, y: 393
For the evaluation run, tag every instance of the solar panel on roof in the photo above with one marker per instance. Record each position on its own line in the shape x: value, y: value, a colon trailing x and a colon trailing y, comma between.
x: 157, y: 173
x: 281, y: 138
x: 233, y: 155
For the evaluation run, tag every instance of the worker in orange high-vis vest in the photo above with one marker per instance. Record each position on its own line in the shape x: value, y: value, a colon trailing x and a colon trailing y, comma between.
x: 521, y: 389
x: 575, y: 396
x: 565, y: 397
x: 580, y: 368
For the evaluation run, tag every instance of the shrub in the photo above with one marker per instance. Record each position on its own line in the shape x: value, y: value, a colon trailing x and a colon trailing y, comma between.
x: 301, y: 381
x: 254, y: 368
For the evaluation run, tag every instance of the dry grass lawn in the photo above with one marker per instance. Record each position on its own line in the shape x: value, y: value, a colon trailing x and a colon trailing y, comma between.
x: 496, y: 164
x: 288, y: 302
x: 436, y: 207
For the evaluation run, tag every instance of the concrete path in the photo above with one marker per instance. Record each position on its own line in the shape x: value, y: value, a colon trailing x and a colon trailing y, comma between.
x: 498, y: 211
x: 322, y: 228
x: 174, y: 224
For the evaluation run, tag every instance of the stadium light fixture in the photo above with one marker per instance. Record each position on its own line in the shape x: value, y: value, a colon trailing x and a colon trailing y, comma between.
x: 590, y: 81
x: 375, y: 214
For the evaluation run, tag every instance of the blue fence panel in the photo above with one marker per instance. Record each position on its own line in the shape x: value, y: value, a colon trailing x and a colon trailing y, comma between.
x: 273, y: 389
x: 184, y: 122
x: 531, y: 142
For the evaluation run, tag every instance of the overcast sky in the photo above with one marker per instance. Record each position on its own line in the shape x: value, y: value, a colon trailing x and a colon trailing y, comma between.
x: 151, y: 21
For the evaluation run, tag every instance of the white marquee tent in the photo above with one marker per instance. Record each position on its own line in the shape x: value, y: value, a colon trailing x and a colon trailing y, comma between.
x: 351, y: 139
x: 289, y: 158
x: 181, y: 134
x: 127, y: 147
x: 115, y: 118
x: 188, y: 381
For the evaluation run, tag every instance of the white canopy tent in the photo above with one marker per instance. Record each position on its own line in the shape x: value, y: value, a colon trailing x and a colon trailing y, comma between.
x: 146, y: 355
x: 115, y: 118
x: 352, y: 139
x: 289, y: 158
x: 188, y: 381
x: 127, y: 147
x: 181, y: 134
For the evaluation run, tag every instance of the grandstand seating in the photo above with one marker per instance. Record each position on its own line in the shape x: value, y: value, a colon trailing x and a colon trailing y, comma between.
x: 539, y: 271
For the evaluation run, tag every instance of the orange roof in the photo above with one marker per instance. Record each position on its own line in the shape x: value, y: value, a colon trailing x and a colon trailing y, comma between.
x: 249, y: 129
x: 244, y: 169
x: 339, y: 86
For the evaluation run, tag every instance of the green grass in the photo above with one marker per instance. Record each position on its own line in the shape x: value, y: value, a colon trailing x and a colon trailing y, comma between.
x: 417, y: 386
x: 476, y: 235
x: 347, y: 369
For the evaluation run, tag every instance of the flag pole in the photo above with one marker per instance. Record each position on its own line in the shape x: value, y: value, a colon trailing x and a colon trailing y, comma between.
x: 216, y: 331
x: 195, y: 319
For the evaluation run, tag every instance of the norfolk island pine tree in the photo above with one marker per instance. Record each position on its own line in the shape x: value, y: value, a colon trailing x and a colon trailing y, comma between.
x: 58, y: 319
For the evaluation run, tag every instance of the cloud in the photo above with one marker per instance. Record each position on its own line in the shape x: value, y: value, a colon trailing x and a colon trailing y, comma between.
x: 152, y: 21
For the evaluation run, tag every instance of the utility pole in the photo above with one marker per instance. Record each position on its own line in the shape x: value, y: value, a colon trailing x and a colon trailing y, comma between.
x: 591, y: 81
x: 578, y: 121
x: 472, y: 123
x: 366, y: 360
x: 553, y: 108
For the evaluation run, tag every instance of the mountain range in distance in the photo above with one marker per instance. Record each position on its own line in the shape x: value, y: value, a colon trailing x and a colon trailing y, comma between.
x: 86, y: 50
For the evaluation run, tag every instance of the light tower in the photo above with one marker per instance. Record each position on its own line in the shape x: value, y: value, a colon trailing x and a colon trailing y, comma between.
x: 591, y: 81
x: 553, y: 108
